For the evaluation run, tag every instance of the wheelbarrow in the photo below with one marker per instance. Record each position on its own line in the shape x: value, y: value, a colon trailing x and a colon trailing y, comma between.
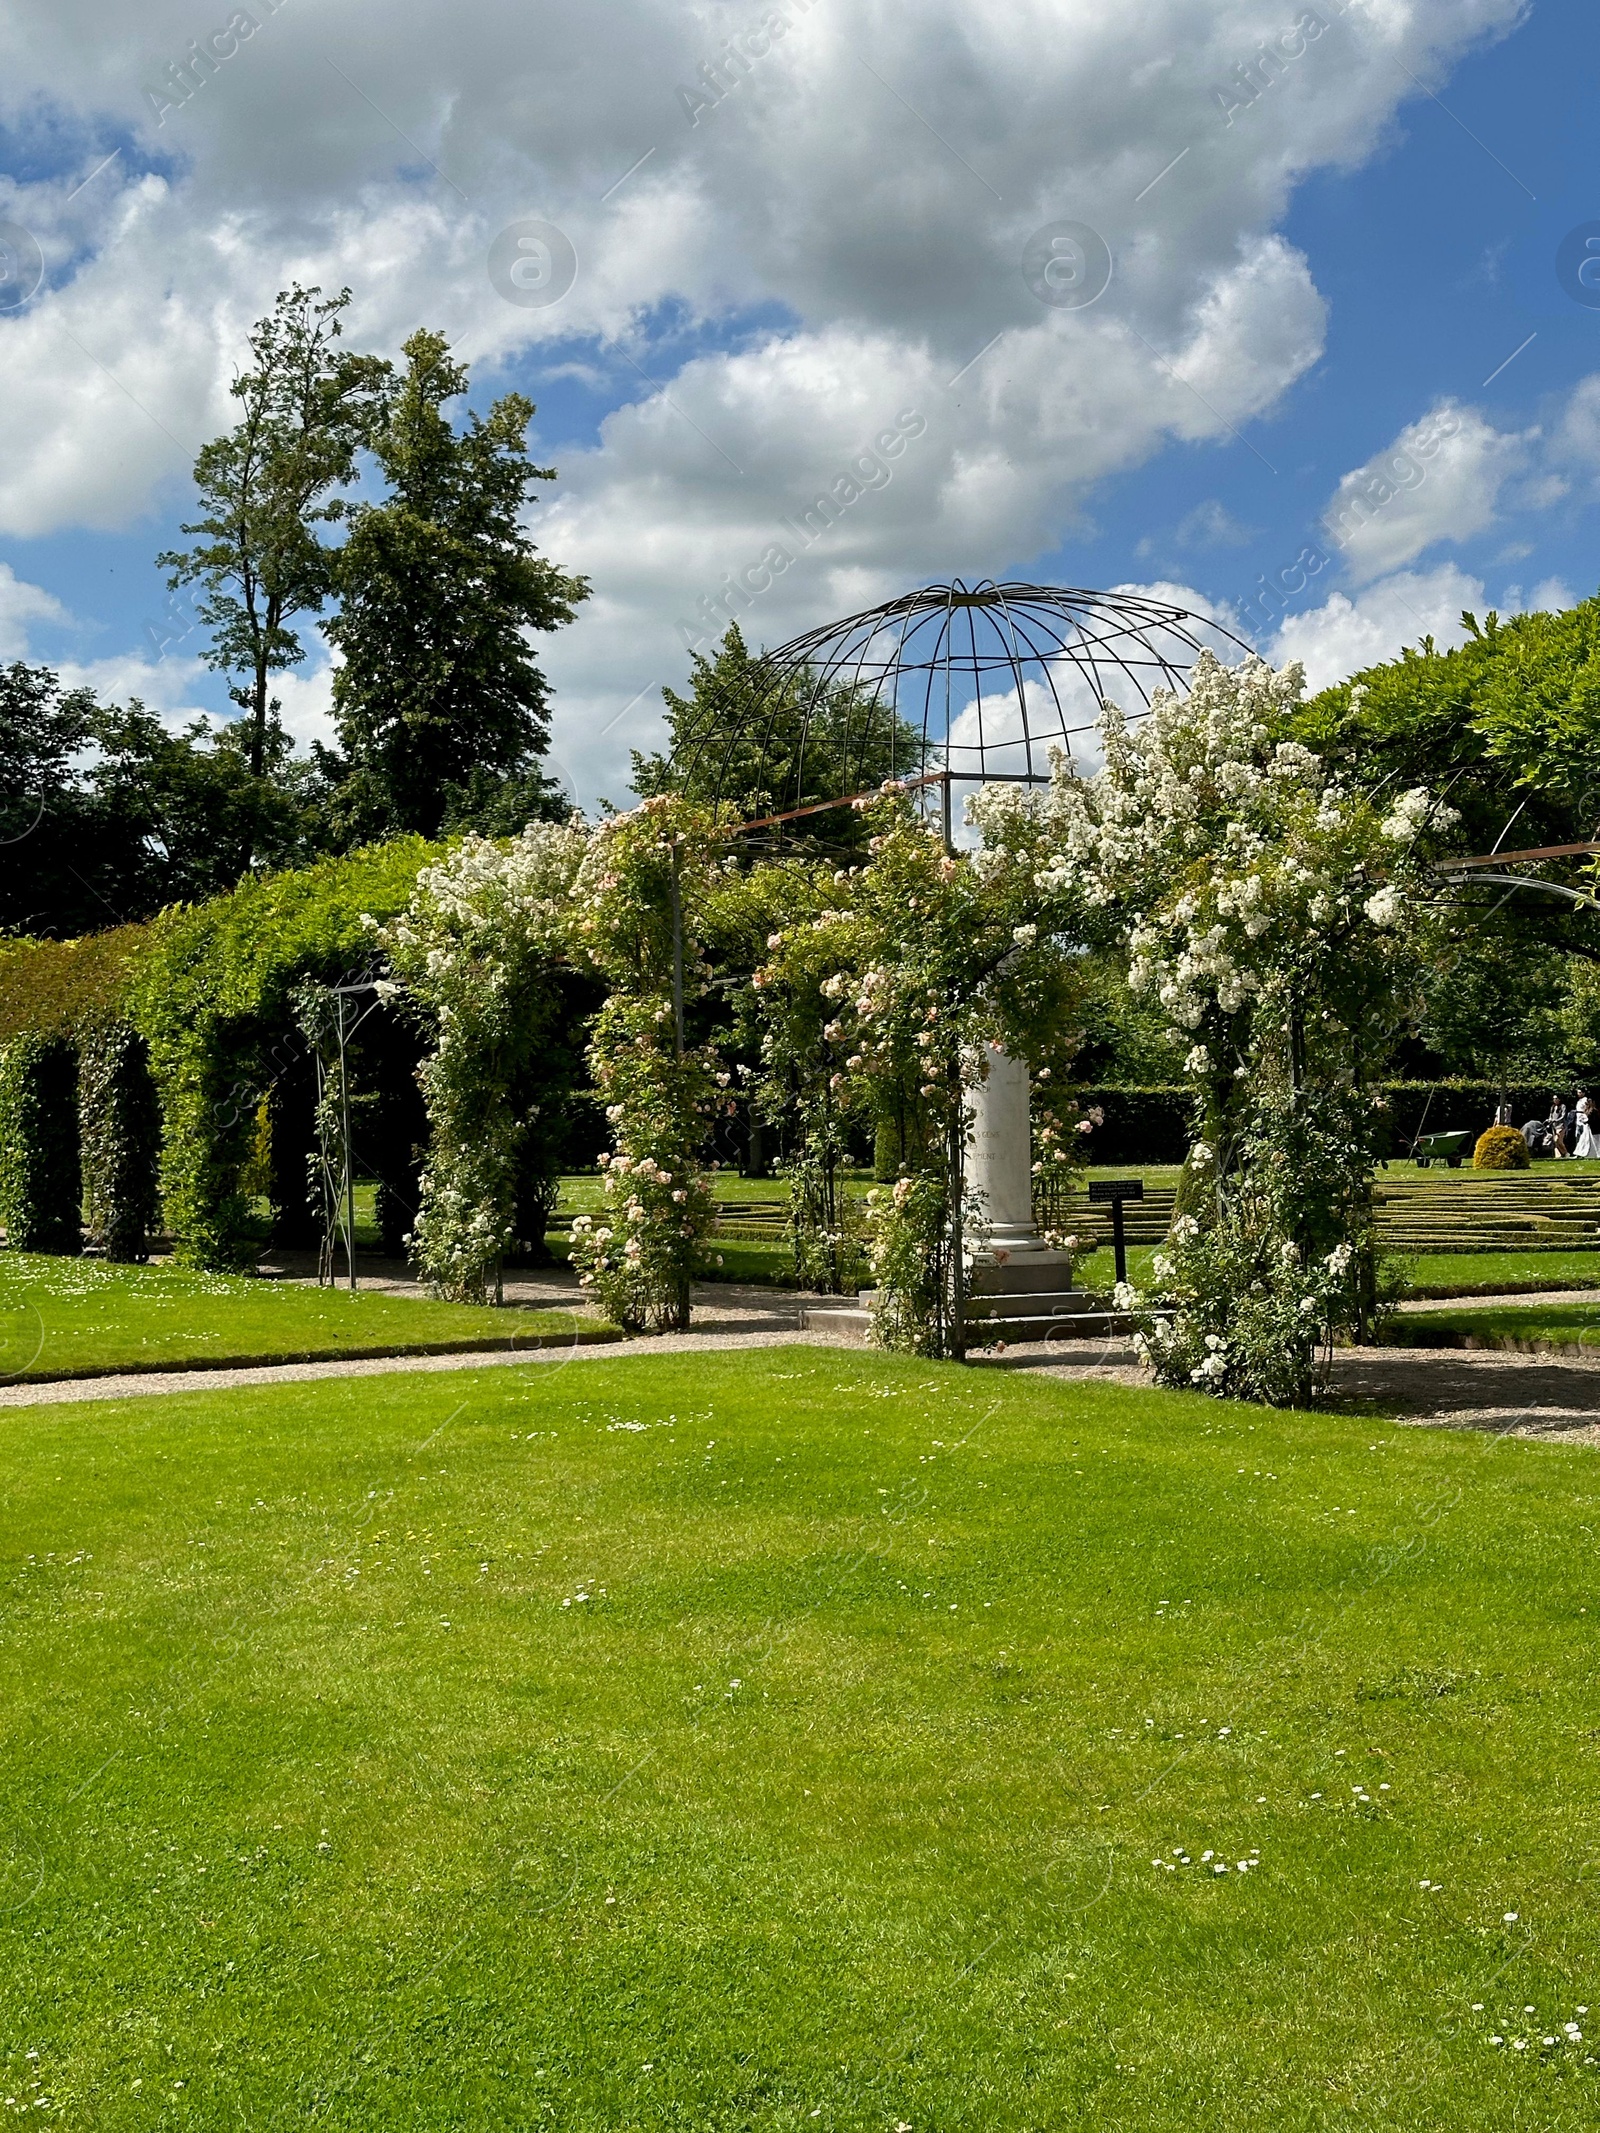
x: 1446, y: 1148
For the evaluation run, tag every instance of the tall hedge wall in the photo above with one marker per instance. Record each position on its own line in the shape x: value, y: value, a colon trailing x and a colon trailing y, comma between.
x: 119, y: 1118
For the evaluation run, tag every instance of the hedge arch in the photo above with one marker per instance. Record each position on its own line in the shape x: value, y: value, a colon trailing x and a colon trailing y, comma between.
x: 214, y: 999
x: 41, y: 1182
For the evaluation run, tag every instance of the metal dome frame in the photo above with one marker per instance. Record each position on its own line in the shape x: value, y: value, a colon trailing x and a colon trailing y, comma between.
x: 946, y: 661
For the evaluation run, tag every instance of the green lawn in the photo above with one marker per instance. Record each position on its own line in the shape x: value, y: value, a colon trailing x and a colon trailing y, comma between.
x: 1501, y: 1273
x: 791, y: 1739
x: 80, y: 1317
x: 1569, y: 1324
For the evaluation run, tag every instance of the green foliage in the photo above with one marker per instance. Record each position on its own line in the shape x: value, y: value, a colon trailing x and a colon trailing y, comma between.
x: 643, y: 897
x: 64, y: 987
x: 1280, y: 1254
x: 1501, y: 1148
x: 1496, y: 1007
x: 879, y: 992
x: 438, y: 691
x: 264, y: 489
x: 639, y: 1258
x: 751, y: 742
x: 120, y: 1128
x: 1509, y: 725
x: 915, y: 1243
x: 110, y: 816
x: 41, y: 1182
x: 477, y: 948
x: 212, y: 999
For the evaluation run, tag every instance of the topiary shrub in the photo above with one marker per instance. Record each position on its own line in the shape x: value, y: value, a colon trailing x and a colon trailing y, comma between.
x: 41, y: 1183
x: 1501, y: 1148
x: 120, y: 1127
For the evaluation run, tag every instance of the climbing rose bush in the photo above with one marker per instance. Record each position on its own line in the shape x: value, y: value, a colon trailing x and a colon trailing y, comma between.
x: 474, y: 951
x: 639, y: 910
x: 878, y: 1007
x: 1276, y: 914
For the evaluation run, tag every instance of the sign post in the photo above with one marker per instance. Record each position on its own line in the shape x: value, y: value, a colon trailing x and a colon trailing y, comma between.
x: 1116, y: 1190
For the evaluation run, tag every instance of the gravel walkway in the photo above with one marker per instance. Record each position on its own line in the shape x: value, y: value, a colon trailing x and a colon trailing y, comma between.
x: 1550, y: 1397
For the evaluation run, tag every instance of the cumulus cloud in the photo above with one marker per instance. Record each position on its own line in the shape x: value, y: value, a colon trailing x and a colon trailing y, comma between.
x: 21, y: 605
x: 865, y: 184
x: 1441, y: 479
x: 1349, y: 632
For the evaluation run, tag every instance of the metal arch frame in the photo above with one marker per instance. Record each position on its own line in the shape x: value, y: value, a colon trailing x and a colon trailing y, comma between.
x: 904, y: 661
x: 1584, y: 898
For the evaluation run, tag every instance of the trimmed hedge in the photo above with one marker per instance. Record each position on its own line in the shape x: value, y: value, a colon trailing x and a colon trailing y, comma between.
x: 120, y: 1128
x: 41, y: 1183
x: 1141, y: 1125
x: 62, y: 988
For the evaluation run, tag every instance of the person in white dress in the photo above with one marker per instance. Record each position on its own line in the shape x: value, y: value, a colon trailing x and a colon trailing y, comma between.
x: 1588, y: 1128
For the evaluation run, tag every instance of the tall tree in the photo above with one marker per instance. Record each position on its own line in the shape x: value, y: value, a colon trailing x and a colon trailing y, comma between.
x: 754, y: 743
x: 105, y: 815
x: 439, y: 703
x: 265, y: 488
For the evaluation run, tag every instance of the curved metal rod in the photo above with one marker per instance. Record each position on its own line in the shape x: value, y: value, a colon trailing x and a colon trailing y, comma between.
x: 1520, y: 881
x: 897, y: 660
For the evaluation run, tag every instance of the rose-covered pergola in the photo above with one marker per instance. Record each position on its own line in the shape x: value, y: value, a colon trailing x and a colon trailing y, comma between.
x: 963, y: 687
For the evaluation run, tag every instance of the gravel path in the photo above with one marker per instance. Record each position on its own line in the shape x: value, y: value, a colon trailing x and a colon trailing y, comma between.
x: 1500, y: 1303
x: 1550, y: 1397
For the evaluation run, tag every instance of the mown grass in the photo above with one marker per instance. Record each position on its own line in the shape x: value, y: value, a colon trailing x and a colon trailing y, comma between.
x: 786, y: 1740
x: 78, y: 1317
x: 1572, y: 1325
x: 1500, y: 1273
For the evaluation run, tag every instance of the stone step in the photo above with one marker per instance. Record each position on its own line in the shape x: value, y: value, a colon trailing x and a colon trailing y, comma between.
x: 1031, y: 1303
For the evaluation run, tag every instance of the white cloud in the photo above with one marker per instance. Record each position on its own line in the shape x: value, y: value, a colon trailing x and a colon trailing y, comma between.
x: 1211, y: 525
x: 1440, y: 480
x: 165, y: 686
x: 20, y: 605
x: 871, y: 179
x: 1349, y: 632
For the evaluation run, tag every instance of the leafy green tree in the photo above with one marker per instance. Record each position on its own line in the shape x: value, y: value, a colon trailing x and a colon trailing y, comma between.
x: 1507, y: 728
x: 439, y: 585
x: 1509, y: 722
x: 265, y: 488
x: 43, y: 730
x: 753, y: 743
x: 106, y: 816
x: 176, y: 810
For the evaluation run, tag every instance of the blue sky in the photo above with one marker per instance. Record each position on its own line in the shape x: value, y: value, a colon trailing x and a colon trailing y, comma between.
x: 1337, y: 276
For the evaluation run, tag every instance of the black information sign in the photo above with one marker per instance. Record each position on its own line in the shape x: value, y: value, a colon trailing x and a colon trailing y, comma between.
x: 1116, y: 1190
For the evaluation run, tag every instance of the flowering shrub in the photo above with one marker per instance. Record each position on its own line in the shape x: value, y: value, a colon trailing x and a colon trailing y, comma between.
x: 640, y: 1256
x: 1274, y: 913
x: 880, y: 1003
x: 475, y: 950
x: 912, y: 1242
x: 1251, y: 1314
x: 639, y: 912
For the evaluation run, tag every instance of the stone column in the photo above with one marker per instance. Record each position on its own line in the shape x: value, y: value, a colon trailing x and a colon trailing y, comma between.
x: 1000, y: 1161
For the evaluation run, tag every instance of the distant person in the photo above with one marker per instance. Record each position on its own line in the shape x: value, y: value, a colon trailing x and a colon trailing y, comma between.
x: 1560, y: 1121
x: 1502, y: 1113
x: 1588, y: 1129
x: 1537, y: 1135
